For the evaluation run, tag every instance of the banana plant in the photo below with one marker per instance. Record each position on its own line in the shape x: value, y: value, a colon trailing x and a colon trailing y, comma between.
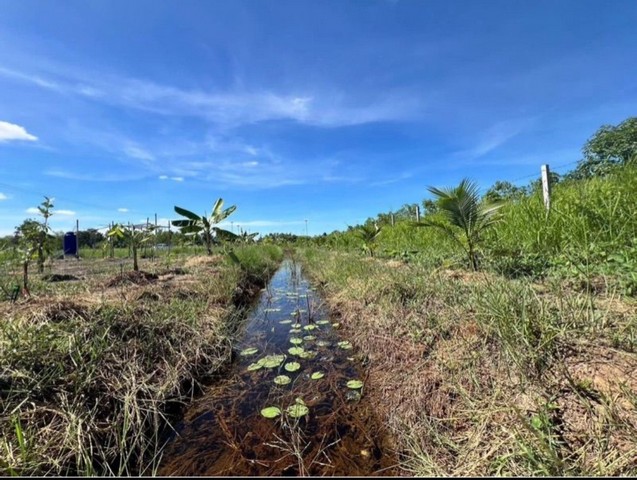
x: 206, y: 225
x: 135, y: 237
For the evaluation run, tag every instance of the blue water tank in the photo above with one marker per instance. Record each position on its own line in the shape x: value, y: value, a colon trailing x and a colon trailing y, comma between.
x: 70, y: 243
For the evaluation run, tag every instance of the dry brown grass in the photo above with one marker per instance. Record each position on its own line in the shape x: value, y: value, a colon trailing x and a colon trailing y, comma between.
x: 441, y: 371
x: 90, y: 372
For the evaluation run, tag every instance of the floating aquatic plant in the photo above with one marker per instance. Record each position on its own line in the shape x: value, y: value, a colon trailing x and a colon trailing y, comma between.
x: 297, y: 410
x: 317, y: 375
x: 296, y: 350
x: 309, y: 338
x: 282, y: 380
x: 271, y: 361
x: 309, y: 327
x: 354, y: 384
x: 307, y: 354
x: 323, y: 343
x: 249, y: 351
x: 271, y: 412
x: 336, y: 325
x: 285, y: 322
x: 254, y: 366
x: 292, y: 366
x: 296, y: 340
x: 345, y: 345
x: 322, y: 322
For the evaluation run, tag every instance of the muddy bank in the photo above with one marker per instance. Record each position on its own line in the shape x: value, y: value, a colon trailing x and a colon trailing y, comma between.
x: 88, y: 379
x: 292, y: 359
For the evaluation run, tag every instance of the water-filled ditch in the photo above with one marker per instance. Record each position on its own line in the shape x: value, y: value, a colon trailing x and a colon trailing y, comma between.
x: 293, y: 402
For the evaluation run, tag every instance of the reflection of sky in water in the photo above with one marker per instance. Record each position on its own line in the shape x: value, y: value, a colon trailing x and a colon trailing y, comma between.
x: 232, y: 407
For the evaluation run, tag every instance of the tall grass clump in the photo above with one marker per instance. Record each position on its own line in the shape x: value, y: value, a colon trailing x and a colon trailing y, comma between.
x: 589, y: 222
x: 479, y: 375
x: 90, y: 385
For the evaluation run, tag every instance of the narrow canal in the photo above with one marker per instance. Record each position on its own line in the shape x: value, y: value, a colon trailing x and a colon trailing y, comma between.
x: 293, y: 403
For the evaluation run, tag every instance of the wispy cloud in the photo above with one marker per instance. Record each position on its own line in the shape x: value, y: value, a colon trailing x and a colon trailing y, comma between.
x: 11, y: 131
x: 495, y: 136
x: 3, y: 196
x: 66, y: 213
x: 135, y: 151
x: 228, y: 108
x: 32, y: 211
x: 391, y: 180
x: 94, y: 177
x: 174, y: 179
x: 122, y: 210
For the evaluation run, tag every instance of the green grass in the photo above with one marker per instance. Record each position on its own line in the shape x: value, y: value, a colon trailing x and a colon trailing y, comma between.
x: 88, y: 382
x: 477, y: 374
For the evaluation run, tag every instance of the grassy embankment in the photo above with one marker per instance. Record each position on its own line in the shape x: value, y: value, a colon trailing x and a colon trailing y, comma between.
x: 91, y: 371
x: 525, y: 368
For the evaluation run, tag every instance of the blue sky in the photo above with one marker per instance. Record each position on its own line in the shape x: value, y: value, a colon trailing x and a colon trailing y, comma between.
x: 330, y: 111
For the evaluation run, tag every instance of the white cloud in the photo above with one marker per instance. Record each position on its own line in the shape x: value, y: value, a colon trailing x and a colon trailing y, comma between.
x: 3, y: 196
x: 32, y: 211
x: 66, y: 213
x: 139, y: 153
x: 174, y: 179
x: 10, y: 131
x: 230, y: 108
x: 122, y: 210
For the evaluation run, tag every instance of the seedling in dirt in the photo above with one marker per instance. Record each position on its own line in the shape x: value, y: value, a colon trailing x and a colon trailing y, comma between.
x: 135, y: 237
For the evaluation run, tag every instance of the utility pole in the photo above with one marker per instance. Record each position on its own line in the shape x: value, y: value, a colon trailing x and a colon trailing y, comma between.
x: 417, y: 213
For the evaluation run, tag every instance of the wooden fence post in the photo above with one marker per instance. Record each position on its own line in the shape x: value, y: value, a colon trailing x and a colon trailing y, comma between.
x: 546, y: 187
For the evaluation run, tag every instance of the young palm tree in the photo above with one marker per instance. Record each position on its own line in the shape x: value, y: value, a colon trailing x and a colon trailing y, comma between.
x: 368, y: 234
x: 205, y: 225
x: 467, y: 217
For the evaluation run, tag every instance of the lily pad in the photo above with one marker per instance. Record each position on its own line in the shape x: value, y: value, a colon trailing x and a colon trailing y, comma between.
x: 271, y: 412
x: 296, y: 340
x: 307, y: 354
x: 296, y: 351
x: 297, y: 410
x: 322, y: 322
x: 271, y: 361
x: 249, y: 351
x: 336, y: 325
x: 282, y: 380
x: 309, y: 338
x: 285, y: 322
x: 345, y: 345
x: 254, y: 366
x: 354, y: 384
x: 317, y: 375
x: 323, y: 343
x: 292, y: 366
x: 309, y: 327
